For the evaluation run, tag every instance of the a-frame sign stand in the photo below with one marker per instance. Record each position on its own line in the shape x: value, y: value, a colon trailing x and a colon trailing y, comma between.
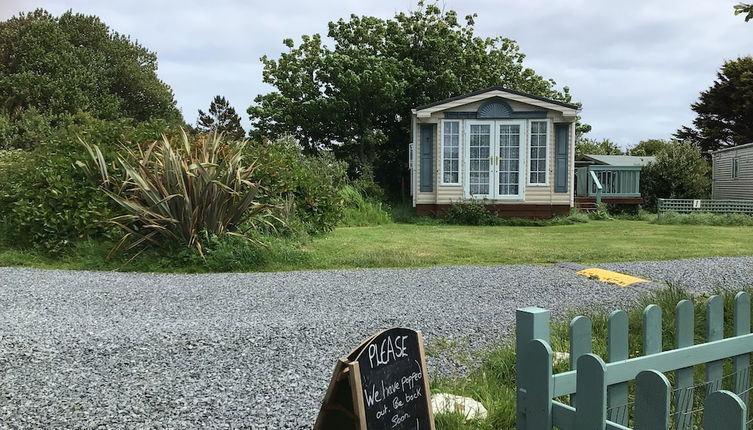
x: 344, y: 406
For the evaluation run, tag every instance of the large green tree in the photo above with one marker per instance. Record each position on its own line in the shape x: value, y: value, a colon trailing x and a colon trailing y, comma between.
x: 74, y: 62
x: 356, y: 96
x: 724, y: 111
x: 222, y: 118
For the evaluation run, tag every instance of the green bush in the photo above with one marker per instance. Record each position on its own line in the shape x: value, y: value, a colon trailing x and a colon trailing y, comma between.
x: 475, y: 212
x: 308, y: 185
x: 229, y: 253
x: 679, y: 172
x: 578, y: 216
x: 48, y: 199
x: 28, y: 128
x: 601, y: 213
x: 471, y: 212
x: 367, y: 186
x: 705, y: 218
x: 360, y: 211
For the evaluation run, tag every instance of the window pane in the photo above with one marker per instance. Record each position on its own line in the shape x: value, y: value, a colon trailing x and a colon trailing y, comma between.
x: 538, y: 152
x: 451, y: 152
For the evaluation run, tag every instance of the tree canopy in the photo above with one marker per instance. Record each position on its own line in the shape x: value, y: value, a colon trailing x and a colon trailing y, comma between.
x: 746, y: 9
x: 724, y: 111
x: 222, y: 118
x: 649, y: 147
x: 74, y: 63
x: 355, y: 97
x: 679, y: 172
x: 596, y: 147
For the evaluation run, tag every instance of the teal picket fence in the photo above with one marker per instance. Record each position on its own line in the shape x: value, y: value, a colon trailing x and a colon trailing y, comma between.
x: 595, y: 394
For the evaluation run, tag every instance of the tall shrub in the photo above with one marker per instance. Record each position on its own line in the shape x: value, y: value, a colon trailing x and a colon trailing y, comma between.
x: 182, y: 192
x: 48, y: 201
x: 679, y: 172
x: 307, y: 185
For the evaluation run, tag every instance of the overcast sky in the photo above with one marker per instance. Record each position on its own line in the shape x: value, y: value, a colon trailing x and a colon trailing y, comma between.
x: 636, y: 66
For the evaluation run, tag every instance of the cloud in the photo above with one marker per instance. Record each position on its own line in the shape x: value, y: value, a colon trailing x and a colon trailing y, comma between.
x: 635, y: 66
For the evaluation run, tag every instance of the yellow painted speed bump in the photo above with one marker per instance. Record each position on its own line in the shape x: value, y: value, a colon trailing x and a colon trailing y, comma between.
x: 620, y: 279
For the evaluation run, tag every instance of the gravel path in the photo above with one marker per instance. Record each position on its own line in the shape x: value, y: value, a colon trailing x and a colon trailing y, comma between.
x: 113, y: 350
x: 701, y: 275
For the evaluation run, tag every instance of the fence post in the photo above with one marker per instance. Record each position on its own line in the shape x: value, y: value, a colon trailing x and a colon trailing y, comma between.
x: 592, y: 393
x: 617, y: 350
x: 539, y: 385
x: 659, y: 207
x: 714, y: 331
x: 651, y: 401
x: 685, y: 335
x: 530, y: 323
x: 723, y: 410
x: 580, y: 343
x: 742, y: 362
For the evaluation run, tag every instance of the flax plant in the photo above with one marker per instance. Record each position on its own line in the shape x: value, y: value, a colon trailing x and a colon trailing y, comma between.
x: 181, y: 193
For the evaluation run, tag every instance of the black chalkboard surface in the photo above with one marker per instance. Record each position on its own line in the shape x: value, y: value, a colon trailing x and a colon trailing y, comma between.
x: 381, y: 385
x: 394, y: 382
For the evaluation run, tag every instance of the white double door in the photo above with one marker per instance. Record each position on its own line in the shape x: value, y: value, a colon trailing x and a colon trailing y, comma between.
x: 495, y: 159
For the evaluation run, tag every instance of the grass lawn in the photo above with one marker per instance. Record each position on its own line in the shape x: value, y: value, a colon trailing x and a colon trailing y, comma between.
x: 408, y: 245
x: 416, y: 245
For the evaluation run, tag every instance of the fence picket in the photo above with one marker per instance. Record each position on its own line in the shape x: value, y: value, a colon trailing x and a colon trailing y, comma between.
x: 617, y: 350
x: 580, y: 343
x: 538, y: 373
x: 724, y: 411
x: 714, y: 331
x: 592, y: 393
x: 530, y: 323
x: 742, y: 362
x: 537, y: 386
x: 685, y: 335
x: 652, y: 330
x: 651, y: 401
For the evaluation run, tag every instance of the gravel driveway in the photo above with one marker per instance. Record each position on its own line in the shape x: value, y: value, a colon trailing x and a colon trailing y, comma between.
x: 114, y: 350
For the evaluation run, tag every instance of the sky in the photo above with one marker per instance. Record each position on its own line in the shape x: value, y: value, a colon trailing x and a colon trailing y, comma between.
x: 635, y: 66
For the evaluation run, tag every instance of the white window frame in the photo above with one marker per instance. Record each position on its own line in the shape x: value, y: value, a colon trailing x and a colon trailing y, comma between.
x: 523, y: 154
x: 735, y: 167
x: 493, y: 171
x: 460, y: 152
x: 529, y: 136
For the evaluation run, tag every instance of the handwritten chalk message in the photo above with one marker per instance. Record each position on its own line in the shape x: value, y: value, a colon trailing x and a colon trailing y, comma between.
x: 393, y: 382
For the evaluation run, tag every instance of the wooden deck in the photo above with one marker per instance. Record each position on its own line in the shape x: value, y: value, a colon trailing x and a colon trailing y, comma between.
x: 589, y: 203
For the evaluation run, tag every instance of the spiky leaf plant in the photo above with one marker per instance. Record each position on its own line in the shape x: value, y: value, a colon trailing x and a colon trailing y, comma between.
x: 182, y: 193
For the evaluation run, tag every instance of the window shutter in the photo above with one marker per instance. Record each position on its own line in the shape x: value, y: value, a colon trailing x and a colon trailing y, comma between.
x: 427, y: 158
x: 561, y: 158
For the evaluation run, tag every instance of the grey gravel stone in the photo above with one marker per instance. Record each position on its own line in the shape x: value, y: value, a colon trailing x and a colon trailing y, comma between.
x: 699, y: 275
x: 122, y: 350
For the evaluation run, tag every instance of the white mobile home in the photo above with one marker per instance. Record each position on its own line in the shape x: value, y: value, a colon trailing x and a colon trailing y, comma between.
x: 511, y: 150
x: 732, y: 173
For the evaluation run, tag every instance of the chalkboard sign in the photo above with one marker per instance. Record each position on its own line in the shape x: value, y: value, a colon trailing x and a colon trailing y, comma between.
x: 381, y: 385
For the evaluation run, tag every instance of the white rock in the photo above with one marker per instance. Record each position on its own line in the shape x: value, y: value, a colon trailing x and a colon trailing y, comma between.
x: 559, y: 357
x: 444, y: 403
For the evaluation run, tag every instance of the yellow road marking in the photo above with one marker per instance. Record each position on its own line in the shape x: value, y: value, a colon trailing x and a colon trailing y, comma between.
x: 620, y: 279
